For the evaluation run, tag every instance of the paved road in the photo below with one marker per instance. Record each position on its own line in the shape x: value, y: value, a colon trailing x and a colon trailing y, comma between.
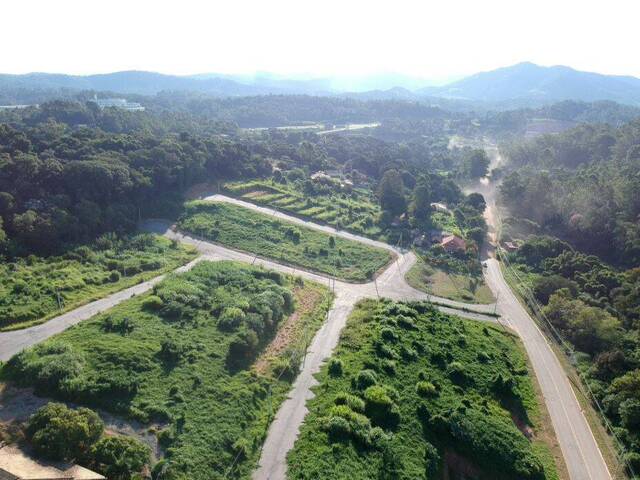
x: 579, y: 448
x: 285, y: 427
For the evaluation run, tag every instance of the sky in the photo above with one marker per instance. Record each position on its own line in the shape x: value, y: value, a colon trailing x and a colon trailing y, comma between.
x: 436, y: 40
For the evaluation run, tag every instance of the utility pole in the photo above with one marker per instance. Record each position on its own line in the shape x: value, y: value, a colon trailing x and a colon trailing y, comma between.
x: 495, y: 305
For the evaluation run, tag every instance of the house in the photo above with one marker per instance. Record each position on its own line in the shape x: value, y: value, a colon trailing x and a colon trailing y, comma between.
x: 120, y: 103
x: 510, y: 246
x: 452, y: 243
x: 319, y: 176
x: 436, y: 236
x: 17, y: 465
x: 439, y: 207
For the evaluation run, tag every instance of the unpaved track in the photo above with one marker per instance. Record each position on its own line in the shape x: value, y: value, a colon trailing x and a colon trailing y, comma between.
x: 579, y: 448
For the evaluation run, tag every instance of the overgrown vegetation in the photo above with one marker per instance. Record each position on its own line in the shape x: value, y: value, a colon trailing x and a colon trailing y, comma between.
x: 244, y: 229
x: 411, y: 392
x: 59, y: 433
x: 33, y: 289
x: 180, y: 359
x: 575, y: 197
x: 448, y: 283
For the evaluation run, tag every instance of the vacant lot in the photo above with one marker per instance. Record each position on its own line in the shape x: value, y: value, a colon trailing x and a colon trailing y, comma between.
x: 182, y: 360
x: 413, y: 393
x: 464, y: 288
x: 240, y: 228
x: 35, y: 289
x: 356, y: 210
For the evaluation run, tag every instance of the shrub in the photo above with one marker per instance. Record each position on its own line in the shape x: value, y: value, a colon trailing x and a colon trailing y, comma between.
x: 379, y: 406
x: 338, y: 429
x: 365, y: 378
x: 114, y: 276
x: 153, y: 303
x: 231, y: 318
x: 118, y: 458
x: 59, y: 433
x: 242, y: 349
x: 354, y: 403
x: 426, y: 389
x: 335, y: 367
x: 388, y: 335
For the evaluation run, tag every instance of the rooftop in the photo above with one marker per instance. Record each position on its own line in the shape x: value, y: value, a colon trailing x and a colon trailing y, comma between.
x: 19, y: 466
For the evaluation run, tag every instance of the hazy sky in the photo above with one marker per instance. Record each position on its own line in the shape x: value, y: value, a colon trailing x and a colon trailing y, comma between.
x: 430, y: 39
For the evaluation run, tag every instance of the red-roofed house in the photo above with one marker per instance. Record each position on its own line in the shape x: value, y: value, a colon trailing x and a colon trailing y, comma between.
x: 453, y: 243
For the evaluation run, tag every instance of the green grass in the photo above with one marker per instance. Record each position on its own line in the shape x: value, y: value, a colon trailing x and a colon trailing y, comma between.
x: 445, y: 388
x: 285, y: 242
x: 454, y: 286
x: 356, y: 211
x: 172, y: 360
x: 35, y: 289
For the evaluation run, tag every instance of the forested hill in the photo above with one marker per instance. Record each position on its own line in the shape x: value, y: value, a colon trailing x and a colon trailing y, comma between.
x: 534, y: 83
x: 583, y: 186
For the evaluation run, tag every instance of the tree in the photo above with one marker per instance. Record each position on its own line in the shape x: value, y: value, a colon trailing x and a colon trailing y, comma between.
x: 477, y: 164
x: 118, y: 458
x: 477, y: 201
x: 422, y: 199
x: 391, y: 193
x: 60, y: 433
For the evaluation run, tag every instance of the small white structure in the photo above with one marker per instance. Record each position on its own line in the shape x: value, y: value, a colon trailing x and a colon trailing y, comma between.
x: 16, y: 465
x: 439, y: 207
x: 121, y: 103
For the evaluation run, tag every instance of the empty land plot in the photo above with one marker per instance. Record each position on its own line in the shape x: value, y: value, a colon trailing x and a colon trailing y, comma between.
x: 182, y: 360
x: 411, y: 392
x: 285, y: 242
x: 34, y: 289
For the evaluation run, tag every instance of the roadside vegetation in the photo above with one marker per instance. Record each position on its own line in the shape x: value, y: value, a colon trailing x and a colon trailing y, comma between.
x: 34, y: 289
x: 285, y: 242
x: 182, y: 359
x: 574, y: 208
x: 447, y: 283
x: 414, y: 393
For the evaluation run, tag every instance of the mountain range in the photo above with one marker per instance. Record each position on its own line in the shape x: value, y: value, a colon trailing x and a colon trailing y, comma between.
x: 523, y: 84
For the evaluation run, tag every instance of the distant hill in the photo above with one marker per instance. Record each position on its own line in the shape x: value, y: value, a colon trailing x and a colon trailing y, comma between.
x: 529, y: 83
x: 518, y: 86
x: 150, y: 83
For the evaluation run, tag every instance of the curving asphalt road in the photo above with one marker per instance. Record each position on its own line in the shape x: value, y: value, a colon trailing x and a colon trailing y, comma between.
x: 580, y: 450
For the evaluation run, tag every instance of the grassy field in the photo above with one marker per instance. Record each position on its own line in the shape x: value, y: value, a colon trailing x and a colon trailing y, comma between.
x: 356, y: 211
x: 413, y: 393
x: 34, y: 289
x: 201, y: 360
x: 241, y: 228
x: 455, y: 286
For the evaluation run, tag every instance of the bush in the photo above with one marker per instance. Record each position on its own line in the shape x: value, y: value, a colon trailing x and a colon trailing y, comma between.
x: 365, y: 378
x: 118, y: 458
x: 338, y: 429
x: 354, y: 403
x: 153, y: 303
x: 425, y: 389
x: 114, y: 276
x: 242, y: 349
x: 335, y: 367
x: 231, y: 318
x: 59, y: 433
x: 379, y: 406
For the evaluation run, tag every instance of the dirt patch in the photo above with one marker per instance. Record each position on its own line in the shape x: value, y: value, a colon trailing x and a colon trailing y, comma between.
x: 459, y: 467
x: 306, y: 301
